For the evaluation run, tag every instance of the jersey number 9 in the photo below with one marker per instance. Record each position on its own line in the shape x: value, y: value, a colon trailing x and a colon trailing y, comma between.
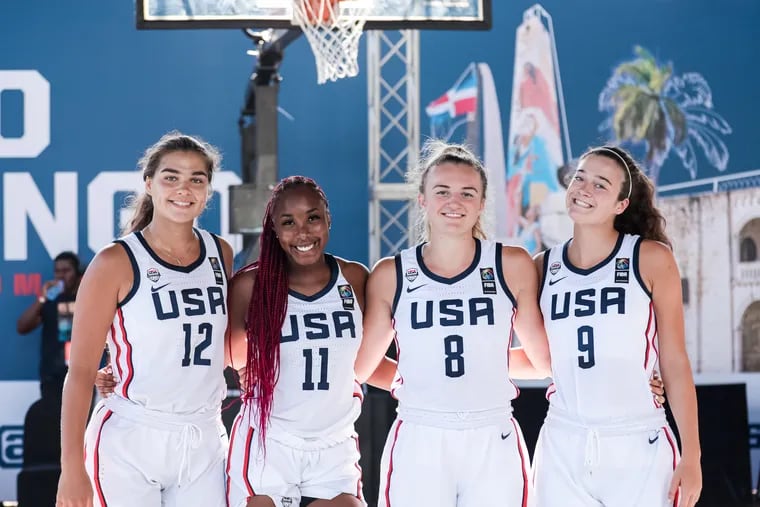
x: 586, y: 347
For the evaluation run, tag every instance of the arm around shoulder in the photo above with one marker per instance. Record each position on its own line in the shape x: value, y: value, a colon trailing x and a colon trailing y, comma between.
x: 522, y: 280
x: 239, y: 301
x: 378, y: 318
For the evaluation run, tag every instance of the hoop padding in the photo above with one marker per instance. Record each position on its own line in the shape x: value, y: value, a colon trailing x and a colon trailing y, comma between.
x: 333, y: 33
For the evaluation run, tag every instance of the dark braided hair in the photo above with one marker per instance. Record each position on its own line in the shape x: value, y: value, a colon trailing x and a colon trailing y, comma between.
x: 268, y: 307
x: 641, y: 216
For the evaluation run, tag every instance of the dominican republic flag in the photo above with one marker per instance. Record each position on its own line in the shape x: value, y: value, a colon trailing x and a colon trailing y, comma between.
x: 460, y: 99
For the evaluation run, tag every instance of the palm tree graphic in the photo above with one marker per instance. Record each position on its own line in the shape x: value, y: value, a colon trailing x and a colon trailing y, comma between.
x: 648, y: 106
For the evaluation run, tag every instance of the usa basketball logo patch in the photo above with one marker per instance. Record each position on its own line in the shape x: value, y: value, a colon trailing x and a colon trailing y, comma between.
x: 411, y: 274
x: 346, y: 294
x: 554, y: 268
x: 622, y: 267
x: 153, y: 274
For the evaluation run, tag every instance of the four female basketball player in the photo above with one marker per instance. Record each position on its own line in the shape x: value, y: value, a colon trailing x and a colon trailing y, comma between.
x: 158, y: 296
x: 451, y: 304
x: 611, y: 301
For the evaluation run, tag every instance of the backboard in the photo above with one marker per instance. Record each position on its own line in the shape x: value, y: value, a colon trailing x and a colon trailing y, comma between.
x: 385, y: 14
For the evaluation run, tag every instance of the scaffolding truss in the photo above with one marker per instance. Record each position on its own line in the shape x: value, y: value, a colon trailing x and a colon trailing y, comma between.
x: 394, y: 138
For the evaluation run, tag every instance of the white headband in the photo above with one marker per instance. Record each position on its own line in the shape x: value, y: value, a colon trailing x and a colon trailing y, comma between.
x: 622, y: 161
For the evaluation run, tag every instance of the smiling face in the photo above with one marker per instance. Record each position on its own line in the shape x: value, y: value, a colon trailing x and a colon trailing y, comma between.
x: 302, y: 223
x: 453, y: 198
x: 180, y: 186
x: 592, y: 196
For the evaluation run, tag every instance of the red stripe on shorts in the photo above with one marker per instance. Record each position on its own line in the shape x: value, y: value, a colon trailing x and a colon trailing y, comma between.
x: 390, y: 466
x: 96, y: 461
x: 524, y: 502
x: 246, y: 460
x: 359, y: 487
x: 233, y: 434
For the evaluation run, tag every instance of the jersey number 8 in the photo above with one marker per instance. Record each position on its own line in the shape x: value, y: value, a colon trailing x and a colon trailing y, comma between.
x: 453, y: 346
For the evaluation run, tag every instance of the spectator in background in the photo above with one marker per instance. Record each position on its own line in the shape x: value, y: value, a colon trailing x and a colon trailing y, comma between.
x: 54, y: 310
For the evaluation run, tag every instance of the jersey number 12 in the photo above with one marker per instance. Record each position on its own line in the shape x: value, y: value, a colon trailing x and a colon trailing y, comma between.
x: 205, y: 329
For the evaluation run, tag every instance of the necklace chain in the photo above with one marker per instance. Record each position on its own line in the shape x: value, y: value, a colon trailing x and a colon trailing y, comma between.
x: 167, y: 251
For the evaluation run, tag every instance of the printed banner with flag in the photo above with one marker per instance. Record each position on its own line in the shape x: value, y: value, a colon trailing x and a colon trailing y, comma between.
x: 534, y: 216
x: 473, y: 103
x: 456, y: 107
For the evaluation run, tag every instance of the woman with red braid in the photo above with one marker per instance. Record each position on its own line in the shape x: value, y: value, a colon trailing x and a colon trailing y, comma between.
x: 296, y: 315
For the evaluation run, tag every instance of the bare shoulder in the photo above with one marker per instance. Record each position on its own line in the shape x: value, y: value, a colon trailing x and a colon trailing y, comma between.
x: 111, y: 259
x: 656, y: 260
x: 518, y: 271
x: 515, y: 258
x: 654, y: 251
x: 355, y: 272
x: 242, y: 282
x: 382, y: 279
x: 538, y: 262
x: 109, y: 276
x: 385, y: 267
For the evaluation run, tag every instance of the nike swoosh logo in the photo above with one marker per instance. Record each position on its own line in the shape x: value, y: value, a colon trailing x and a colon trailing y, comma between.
x: 504, y: 437
x: 653, y: 440
x: 412, y: 289
x: 552, y: 282
x: 156, y: 289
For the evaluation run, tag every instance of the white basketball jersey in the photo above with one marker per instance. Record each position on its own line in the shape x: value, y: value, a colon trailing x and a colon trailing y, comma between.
x: 167, y: 338
x: 316, y: 394
x: 453, y: 334
x: 602, y: 335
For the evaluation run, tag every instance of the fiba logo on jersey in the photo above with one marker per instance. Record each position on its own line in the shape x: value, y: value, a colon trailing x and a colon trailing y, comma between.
x: 554, y: 268
x: 287, y: 501
x: 487, y: 279
x: 347, y: 296
x: 217, y: 269
x: 411, y: 274
x: 622, y: 264
x: 153, y: 275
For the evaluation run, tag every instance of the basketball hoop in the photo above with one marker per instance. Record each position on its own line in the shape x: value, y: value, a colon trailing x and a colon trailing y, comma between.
x: 333, y: 29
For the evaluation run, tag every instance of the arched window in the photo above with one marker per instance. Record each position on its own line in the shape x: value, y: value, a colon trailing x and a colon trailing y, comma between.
x: 747, y: 250
x: 751, y: 338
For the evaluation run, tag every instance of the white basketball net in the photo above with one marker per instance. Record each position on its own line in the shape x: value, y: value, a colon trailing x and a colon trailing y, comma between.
x: 333, y: 29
